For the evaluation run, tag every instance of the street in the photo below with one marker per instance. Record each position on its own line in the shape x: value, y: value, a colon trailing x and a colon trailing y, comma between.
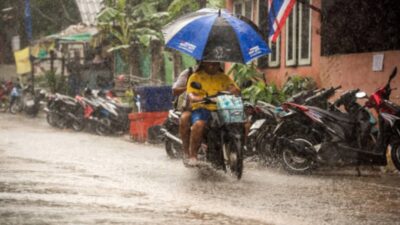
x: 52, y: 176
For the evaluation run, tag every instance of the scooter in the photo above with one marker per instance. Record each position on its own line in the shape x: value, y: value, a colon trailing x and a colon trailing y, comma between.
x: 261, y: 138
x: 224, y: 134
x: 58, y: 109
x: 334, y: 138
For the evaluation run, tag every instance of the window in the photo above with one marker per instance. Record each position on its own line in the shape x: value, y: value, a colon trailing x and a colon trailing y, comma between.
x: 298, y: 35
x: 304, y: 34
x: 274, y: 56
x: 291, y: 38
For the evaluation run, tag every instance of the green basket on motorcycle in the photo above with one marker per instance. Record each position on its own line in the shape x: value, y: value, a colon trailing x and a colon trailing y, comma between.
x: 230, y: 109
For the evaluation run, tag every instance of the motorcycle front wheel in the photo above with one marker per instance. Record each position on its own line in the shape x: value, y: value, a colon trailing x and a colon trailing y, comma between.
x: 78, y: 125
x: 3, y: 105
x: 16, y: 107
x: 103, y: 126
x: 52, y: 119
x: 234, y: 155
x: 294, y: 162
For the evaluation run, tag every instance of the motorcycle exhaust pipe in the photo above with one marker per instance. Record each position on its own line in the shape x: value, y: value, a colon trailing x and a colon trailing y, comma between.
x: 171, y: 136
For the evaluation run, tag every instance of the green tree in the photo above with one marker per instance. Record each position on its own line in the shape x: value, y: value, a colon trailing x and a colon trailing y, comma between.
x: 131, y: 25
x: 48, y: 17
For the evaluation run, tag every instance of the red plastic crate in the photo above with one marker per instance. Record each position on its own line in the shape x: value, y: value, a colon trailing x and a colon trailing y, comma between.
x: 141, y: 122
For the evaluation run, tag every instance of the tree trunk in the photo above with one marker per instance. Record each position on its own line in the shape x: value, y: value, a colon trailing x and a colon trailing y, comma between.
x: 157, y: 61
x: 177, y: 64
x: 135, y: 61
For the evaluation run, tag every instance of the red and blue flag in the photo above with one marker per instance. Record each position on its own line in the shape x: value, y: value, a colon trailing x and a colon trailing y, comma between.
x: 279, y: 10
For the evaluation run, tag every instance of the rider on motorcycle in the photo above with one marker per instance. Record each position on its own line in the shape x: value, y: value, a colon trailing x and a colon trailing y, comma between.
x: 178, y: 90
x: 213, y: 80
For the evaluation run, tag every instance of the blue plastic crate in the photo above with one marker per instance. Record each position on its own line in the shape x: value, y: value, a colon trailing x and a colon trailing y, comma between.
x: 155, y: 98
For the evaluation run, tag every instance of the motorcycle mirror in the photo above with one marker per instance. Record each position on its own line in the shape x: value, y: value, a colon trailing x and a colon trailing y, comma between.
x: 361, y: 94
x: 195, y: 85
x: 393, y: 75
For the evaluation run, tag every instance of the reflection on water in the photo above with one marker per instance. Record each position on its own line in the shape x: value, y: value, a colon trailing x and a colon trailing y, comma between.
x: 50, y: 176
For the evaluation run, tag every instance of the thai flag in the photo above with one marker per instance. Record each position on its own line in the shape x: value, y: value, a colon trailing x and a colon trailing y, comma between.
x: 279, y: 10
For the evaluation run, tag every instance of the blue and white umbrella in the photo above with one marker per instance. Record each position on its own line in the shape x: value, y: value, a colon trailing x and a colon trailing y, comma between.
x: 215, y: 35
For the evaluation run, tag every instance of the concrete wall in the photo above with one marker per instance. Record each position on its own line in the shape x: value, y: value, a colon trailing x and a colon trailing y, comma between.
x: 355, y: 71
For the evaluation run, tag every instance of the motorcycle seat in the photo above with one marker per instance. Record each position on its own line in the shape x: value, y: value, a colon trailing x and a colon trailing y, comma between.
x: 342, y: 117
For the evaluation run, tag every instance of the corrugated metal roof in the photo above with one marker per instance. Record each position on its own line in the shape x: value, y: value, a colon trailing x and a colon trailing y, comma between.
x: 89, y: 9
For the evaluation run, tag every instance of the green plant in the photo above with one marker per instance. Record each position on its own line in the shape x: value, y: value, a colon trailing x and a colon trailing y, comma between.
x: 264, y: 92
x: 296, y: 84
x: 242, y: 73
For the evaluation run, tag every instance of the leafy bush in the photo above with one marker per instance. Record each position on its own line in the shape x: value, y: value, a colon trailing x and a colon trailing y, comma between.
x: 296, y: 84
x: 270, y: 93
x: 242, y: 73
x: 264, y: 92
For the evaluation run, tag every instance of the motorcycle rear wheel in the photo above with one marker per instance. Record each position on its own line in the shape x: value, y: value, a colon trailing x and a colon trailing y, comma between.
x: 294, y: 162
x: 395, y: 155
x: 174, y: 150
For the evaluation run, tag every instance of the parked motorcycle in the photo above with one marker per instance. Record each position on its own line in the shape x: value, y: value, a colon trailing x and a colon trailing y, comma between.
x: 5, y: 89
x: 261, y: 138
x: 58, y: 110
x: 32, y: 103
x: 103, y: 114
x: 325, y: 137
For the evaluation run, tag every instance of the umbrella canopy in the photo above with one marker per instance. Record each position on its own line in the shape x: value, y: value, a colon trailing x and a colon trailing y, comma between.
x: 215, y: 35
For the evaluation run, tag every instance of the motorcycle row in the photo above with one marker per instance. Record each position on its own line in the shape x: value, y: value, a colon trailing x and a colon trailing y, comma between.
x: 306, y: 132
x: 15, y: 99
x: 96, y: 111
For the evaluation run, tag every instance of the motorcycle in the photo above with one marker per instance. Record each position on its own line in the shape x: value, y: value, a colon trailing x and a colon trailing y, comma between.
x: 58, y: 110
x: 104, y: 115
x: 33, y: 102
x: 261, y: 138
x: 5, y: 89
x: 325, y: 137
x: 223, y: 140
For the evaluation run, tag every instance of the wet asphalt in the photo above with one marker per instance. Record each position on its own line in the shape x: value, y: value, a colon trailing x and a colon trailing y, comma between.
x: 52, y: 176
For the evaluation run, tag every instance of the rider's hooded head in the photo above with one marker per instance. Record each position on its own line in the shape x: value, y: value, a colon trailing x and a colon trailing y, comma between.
x: 211, y: 67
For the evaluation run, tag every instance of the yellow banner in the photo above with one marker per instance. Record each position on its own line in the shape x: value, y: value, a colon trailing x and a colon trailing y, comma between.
x: 22, y: 61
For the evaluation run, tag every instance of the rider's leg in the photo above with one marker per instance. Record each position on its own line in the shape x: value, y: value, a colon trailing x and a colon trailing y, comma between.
x: 184, y: 131
x: 196, y: 137
x: 199, y: 120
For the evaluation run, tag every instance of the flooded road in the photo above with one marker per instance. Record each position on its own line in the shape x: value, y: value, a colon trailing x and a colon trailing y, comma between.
x: 51, y: 176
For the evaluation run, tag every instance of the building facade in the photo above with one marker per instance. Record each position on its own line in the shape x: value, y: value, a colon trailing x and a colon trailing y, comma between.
x: 336, y: 42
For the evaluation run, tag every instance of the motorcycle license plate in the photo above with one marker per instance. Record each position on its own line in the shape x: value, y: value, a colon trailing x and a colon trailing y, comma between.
x: 256, y: 125
x: 30, y: 103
